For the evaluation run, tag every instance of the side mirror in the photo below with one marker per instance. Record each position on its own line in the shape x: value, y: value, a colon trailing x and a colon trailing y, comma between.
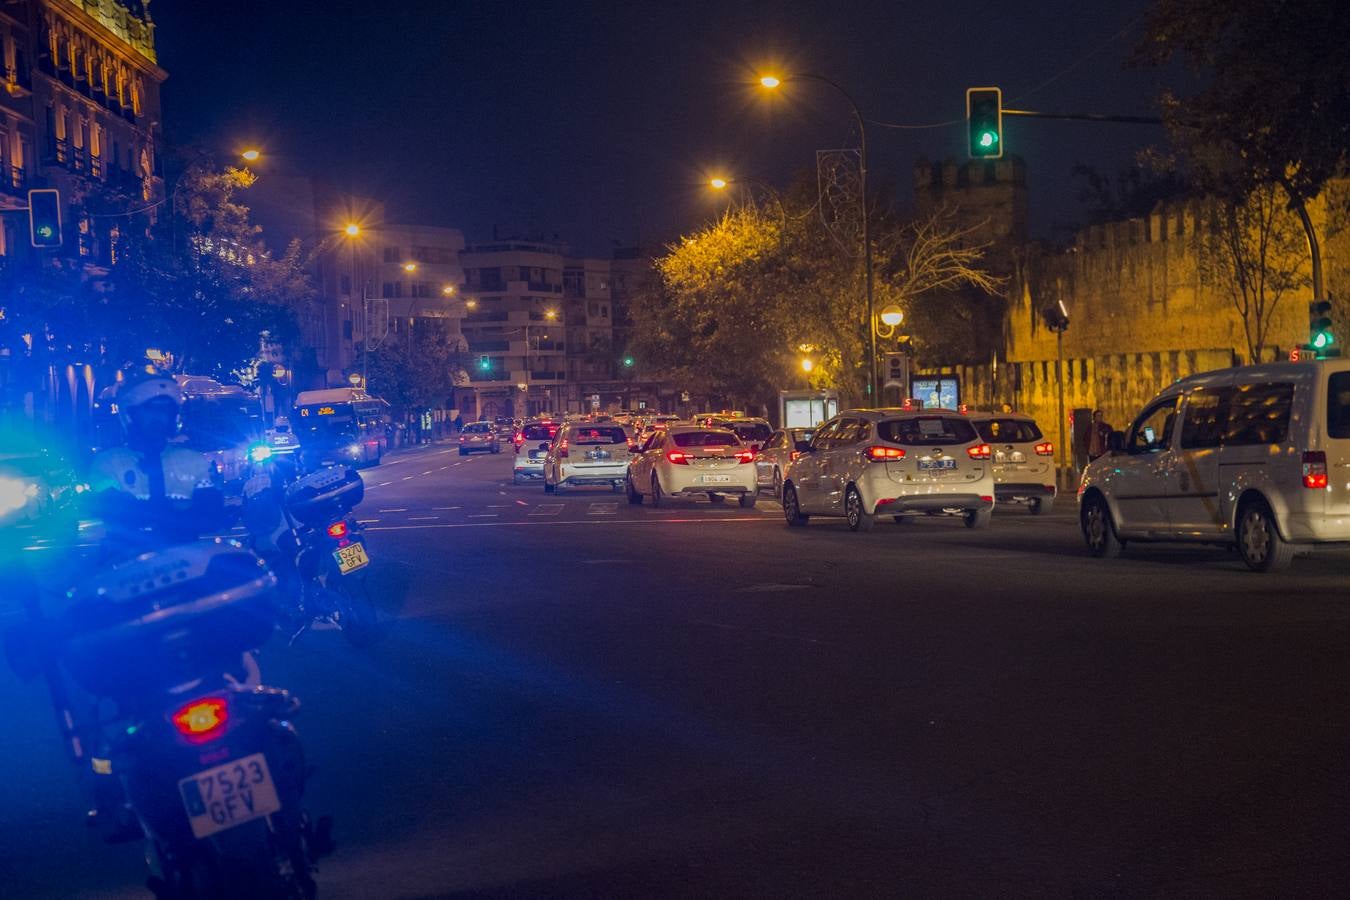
x: 1115, y: 442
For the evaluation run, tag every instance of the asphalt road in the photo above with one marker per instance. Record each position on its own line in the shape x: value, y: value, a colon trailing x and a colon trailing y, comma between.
x: 584, y: 699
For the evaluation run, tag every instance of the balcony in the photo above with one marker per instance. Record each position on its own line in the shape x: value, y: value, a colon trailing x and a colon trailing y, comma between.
x: 536, y: 377
x: 15, y: 180
x: 487, y: 315
x: 489, y: 346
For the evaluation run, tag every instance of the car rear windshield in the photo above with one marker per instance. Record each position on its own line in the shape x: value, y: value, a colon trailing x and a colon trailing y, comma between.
x: 539, y: 432
x: 927, y: 430
x: 477, y: 428
x: 705, y: 439
x: 753, y: 431
x: 601, y: 435
x: 1010, y: 431
x: 1338, y: 405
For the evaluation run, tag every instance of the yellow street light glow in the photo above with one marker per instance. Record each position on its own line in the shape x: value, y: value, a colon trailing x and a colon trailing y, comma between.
x: 410, y: 267
x: 717, y: 184
x: 448, y: 290
x: 471, y: 303
x: 769, y: 82
x: 550, y: 314
x: 891, y: 316
x: 352, y: 229
x: 251, y: 155
x: 807, y: 364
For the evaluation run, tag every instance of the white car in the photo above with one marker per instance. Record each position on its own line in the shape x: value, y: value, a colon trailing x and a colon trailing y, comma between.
x: 869, y: 462
x: 587, y: 453
x: 1254, y: 456
x: 531, y: 448
x: 1024, y: 461
x: 685, y: 460
x: 783, y: 447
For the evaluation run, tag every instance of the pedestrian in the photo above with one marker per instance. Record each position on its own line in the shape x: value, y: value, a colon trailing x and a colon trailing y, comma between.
x: 1099, y: 437
x: 459, y: 422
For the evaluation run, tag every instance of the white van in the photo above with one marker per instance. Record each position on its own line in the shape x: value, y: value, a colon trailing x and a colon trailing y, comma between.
x: 1256, y: 456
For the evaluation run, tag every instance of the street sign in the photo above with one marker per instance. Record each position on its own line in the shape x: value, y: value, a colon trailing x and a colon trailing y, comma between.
x: 1302, y: 354
x: 895, y: 371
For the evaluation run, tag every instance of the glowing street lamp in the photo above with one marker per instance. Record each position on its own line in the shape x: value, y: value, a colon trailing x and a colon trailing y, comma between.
x: 448, y: 290
x: 718, y: 184
x: 251, y: 155
x: 352, y: 229
x: 769, y: 82
x: 471, y: 303
x: 807, y: 364
x: 410, y: 267
x: 550, y: 314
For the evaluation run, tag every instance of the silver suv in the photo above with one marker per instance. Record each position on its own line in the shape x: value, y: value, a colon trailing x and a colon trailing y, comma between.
x: 869, y: 462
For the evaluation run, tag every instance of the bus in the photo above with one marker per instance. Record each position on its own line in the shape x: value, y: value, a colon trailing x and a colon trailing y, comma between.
x: 340, y: 426
x: 222, y: 421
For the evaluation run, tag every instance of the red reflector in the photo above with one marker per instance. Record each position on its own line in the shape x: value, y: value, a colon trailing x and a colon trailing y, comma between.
x: 678, y: 457
x: 1314, y: 470
x: 202, y: 718
x: 986, y: 499
x: 881, y: 454
x: 1045, y: 449
x: 980, y: 451
x: 337, y: 530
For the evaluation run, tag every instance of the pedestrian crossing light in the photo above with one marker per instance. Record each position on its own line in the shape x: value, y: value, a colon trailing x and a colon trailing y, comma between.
x: 1320, y: 336
x: 44, y: 217
x: 984, y: 122
x: 485, y: 363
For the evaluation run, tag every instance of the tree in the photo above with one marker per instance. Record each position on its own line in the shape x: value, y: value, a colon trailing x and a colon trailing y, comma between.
x: 732, y: 305
x: 1253, y: 251
x: 417, y: 368
x: 1273, y: 102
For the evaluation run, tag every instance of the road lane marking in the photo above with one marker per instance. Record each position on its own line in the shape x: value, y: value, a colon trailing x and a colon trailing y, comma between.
x: 383, y: 483
x: 442, y: 468
x: 422, y: 518
x: 407, y: 478
x: 395, y: 509
x: 610, y: 522
x: 482, y: 515
x: 443, y: 508
x: 427, y: 472
x: 497, y: 506
x: 366, y: 521
x: 547, y: 509
x: 603, y: 509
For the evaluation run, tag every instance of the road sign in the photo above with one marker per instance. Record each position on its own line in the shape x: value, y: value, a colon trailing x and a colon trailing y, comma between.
x: 895, y: 370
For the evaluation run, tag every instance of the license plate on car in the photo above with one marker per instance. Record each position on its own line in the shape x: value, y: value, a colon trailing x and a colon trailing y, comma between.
x: 713, y: 479
x: 351, y: 557
x: 229, y: 795
x: 537, y: 454
x: 936, y: 464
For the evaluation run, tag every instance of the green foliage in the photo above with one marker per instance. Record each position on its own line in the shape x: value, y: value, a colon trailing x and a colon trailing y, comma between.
x: 420, y: 374
x: 732, y: 305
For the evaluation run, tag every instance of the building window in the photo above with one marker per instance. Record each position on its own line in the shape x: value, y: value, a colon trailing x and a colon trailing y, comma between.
x: 391, y: 254
x: 346, y: 329
x: 388, y: 289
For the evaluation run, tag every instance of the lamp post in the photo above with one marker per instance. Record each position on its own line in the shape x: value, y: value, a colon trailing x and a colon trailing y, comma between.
x: 770, y: 82
x: 1059, y: 324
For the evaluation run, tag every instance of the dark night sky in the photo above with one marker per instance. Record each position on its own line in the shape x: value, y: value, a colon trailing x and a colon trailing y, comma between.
x: 599, y: 121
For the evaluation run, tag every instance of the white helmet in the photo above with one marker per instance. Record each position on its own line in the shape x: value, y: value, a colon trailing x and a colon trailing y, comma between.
x: 142, y: 387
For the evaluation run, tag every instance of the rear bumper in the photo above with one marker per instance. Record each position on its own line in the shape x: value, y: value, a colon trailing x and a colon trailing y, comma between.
x: 1024, y: 491
x: 933, y: 503
x: 683, y: 482
x: 529, y: 467
x: 599, y: 475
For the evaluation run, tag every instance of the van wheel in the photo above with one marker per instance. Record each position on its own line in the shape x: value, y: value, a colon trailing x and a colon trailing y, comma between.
x: 859, y: 519
x: 1258, y: 540
x: 792, y: 510
x: 978, y: 518
x: 1099, y: 531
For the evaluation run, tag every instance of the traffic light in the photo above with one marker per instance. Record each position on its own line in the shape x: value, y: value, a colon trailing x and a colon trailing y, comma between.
x: 628, y: 362
x: 984, y: 122
x: 485, y: 363
x: 1320, y: 337
x: 44, y: 217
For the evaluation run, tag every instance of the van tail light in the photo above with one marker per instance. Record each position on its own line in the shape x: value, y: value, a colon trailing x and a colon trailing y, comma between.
x: 337, y: 530
x: 203, y: 719
x: 562, y: 450
x: 980, y: 451
x: 1045, y: 448
x: 884, y: 454
x: 678, y: 457
x: 1314, y: 470
x: 745, y: 456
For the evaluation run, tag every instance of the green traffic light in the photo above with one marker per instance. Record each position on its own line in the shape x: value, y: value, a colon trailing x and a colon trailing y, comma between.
x: 1322, y: 340
x: 44, y: 231
x: 988, y: 139
x: 628, y: 360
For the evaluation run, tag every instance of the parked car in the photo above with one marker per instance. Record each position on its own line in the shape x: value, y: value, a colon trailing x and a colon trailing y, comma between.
x: 1254, y: 456
x: 686, y: 460
x: 869, y: 462
x: 1024, y: 461
x: 478, y: 437
x: 531, y: 447
x: 587, y: 453
x: 783, y: 447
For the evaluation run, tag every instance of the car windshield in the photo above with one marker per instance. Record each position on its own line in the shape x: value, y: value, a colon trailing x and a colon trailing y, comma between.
x: 932, y: 431
x: 753, y: 431
x: 1012, y: 431
x: 538, y: 432
x: 600, y: 435
x: 705, y: 439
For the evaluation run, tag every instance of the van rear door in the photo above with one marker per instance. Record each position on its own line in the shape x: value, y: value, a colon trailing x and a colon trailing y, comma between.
x: 1337, y: 445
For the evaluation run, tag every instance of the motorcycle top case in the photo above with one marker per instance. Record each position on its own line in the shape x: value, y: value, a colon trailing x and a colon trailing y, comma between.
x: 167, y: 617
x: 321, y: 496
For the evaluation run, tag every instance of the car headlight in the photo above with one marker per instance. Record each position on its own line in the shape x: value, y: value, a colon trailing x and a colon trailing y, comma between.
x: 15, y: 494
x: 354, y: 449
x: 259, y: 453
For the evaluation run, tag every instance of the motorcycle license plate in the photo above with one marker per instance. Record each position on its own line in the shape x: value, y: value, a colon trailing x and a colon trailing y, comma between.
x: 229, y: 795
x: 351, y: 557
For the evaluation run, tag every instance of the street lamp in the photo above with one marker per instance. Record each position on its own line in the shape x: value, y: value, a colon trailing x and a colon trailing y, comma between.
x: 718, y: 184
x: 251, y: 155
x: 352, y: 229
x: 551, y: 314
x: 771, y: 82
x: 891, y: 317
x: 1058, y: 319
x: 410, y: 267
x: 471, y: 303
x: 448, y: 290
x: 807, y: 364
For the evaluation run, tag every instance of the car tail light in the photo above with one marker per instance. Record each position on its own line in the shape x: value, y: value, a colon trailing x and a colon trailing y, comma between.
x: 203, y: 719
x: 519, y: 438
x: 980, y: 451
x: 337, y: 530
x: 562, y: 450
x: 745, y: 456
x: 678, y: 457
x: 1314, y: 469
x: 1045, y: 448
x: 795, y: 455
x: 884, y: 454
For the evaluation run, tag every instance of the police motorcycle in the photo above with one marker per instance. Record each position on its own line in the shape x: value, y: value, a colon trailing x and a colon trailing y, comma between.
x: 305, y: 528
x: 147, y: 663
